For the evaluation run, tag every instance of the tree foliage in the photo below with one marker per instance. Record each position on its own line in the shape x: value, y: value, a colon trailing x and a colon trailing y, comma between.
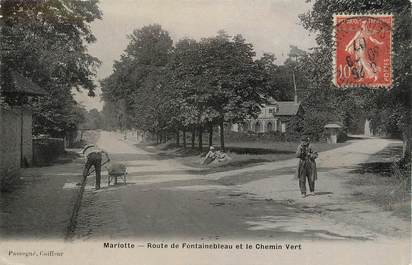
x: 191, y: 86
x: 46, y: 41
x: 93, y: 120
x: 137, y: 79
x: 389, y: 110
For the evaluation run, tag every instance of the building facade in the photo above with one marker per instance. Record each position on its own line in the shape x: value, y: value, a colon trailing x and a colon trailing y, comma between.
x: 16, y: 141
x: 274, y: 117
x: 16, y: 148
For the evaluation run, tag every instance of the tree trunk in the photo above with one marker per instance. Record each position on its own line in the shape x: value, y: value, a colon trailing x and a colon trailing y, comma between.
x: 406, y: 150
x: 177, y: 137
x: 210, y: 135
x: 157, y: 138
x: 200, y: 138
x: 222, y: 136
x: 193, y: 138
x: 184, y: 138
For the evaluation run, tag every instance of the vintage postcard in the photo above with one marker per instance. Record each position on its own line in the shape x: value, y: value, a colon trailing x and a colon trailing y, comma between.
x: 205, y: 132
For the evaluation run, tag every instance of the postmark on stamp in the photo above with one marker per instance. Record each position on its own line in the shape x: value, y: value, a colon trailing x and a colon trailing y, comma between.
x: 363, y: 56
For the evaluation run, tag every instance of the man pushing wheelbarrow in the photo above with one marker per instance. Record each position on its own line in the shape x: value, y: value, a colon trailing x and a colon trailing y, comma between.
x: 94, y: 158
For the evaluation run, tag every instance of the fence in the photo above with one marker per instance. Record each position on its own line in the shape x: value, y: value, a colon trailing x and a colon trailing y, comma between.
x: 47, y: 150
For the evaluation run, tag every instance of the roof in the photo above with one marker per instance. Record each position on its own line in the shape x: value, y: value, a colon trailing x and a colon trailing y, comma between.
x: 271, y: 101
x: 287, y: 108
x: 333, y: 126
x: 14, y: 82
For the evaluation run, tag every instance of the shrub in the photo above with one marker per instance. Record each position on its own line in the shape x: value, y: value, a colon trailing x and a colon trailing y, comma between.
x: 252, y: 136
x: 47, y: 150
x: 9, y: 179
x: 314, y: 123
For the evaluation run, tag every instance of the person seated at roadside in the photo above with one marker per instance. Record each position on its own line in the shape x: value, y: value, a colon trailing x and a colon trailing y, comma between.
x: 210, y: 156
x: 220, y: 156
x: 214, y: 155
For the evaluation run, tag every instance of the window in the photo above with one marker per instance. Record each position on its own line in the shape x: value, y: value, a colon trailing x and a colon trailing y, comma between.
x: 269, y: 127
x: 246, y: 126
x: 257, y: 127
x: 283, y: 127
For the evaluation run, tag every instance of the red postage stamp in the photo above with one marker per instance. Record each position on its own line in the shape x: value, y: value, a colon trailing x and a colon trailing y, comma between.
x: 363, y: 56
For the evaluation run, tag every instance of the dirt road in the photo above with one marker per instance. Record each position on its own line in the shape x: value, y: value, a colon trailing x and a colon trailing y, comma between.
x: 165, y: 199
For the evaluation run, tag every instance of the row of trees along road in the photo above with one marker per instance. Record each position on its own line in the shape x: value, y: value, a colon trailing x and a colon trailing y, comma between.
x: 192, y: 86
x: 196, y: 85
x: 46, y: 41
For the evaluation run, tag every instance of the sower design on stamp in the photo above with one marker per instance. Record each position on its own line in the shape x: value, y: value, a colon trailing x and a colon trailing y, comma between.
x: 363, y: 51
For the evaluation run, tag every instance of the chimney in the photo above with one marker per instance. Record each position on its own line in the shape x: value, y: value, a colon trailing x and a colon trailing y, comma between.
x: 294, y: 86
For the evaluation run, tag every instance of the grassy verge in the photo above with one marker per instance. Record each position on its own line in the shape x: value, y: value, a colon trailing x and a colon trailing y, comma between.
x: 386, y: 184
x: 278, y: 147
x: 242, y: 154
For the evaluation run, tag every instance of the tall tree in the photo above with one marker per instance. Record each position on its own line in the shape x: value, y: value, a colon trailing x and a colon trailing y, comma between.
x: 234, y: 82
x: 138, y: 78
x: 188, y: 85
x: 46, y: 41
x: 191, y: 87
x: 217, y: 81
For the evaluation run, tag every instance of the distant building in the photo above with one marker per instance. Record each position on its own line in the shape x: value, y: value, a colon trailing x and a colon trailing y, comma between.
x: 332, y: 131
x: 274, y: 117
x: 16, y: 146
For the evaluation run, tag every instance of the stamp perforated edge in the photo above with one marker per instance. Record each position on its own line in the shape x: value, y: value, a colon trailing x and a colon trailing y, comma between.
x: 358, y: 14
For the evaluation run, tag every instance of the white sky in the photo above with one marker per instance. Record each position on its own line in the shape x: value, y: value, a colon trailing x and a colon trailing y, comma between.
x: 270, y: 25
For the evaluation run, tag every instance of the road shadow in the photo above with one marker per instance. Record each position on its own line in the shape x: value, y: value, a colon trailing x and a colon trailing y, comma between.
x: 354, y: 137
x: 135, y: 157
x: 380, y: 168
x: 256, y: 151
x: 163, y: 173
x: 114, y: 187
x: 254, y: 175
x: 380, y: 163
x: 323, y: 193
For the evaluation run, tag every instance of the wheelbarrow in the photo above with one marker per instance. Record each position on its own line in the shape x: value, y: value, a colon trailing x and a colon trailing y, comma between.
x: 115, y: 171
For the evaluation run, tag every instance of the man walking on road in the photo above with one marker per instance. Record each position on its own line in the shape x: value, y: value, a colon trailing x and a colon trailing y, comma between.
x: 306, y: 166
x: 93, y: 158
